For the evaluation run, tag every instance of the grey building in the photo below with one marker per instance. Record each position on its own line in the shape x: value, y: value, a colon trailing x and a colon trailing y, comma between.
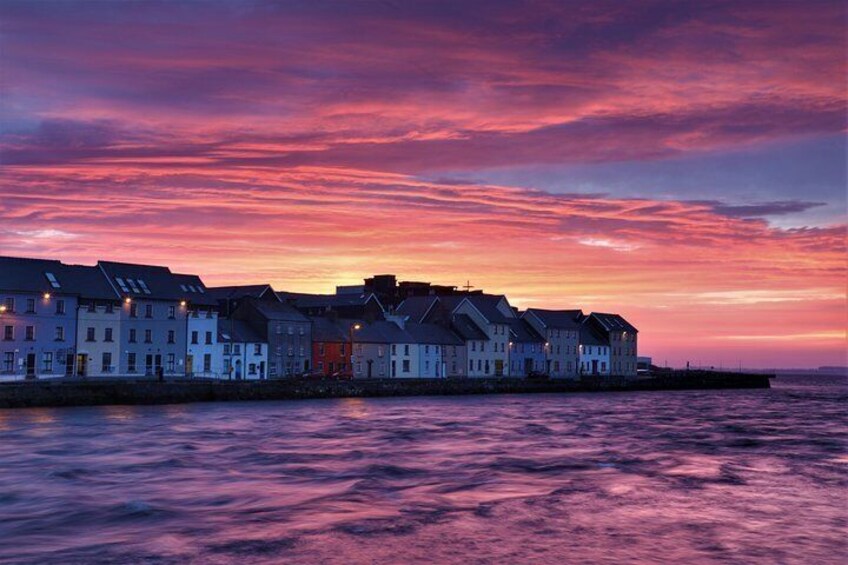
x: 527, y: 352
x: 153, y: 318
x: 622, y: 338
x: 287, y: 332
x: 39, y: 303
x: 560, y: 329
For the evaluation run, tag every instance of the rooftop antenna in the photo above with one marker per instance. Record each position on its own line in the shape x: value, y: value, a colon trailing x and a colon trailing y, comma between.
x: 467, y: 286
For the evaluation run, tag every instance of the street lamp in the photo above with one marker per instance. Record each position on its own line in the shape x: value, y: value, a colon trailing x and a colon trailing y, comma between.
x: 353, y: 327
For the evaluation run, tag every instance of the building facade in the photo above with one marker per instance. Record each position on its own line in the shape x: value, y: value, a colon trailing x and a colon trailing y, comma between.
x: 561, y: 331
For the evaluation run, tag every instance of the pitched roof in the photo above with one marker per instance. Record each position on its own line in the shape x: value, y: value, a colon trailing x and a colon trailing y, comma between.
x: 239, y: 291
x: 521, y: 331
x: 237, y: 331
x: 432, y: 334
x: 557, y: 319
x: 278, y: 311
x: 382, y: 332
x: 416, y: 307
x: 302, y: 300
x: 31, y: 275
x: 486, y: 304
x: 613, y: 322
x: 590, y: 336
x: 195, y: 290
x: 465, y: 327
x: 143, y: 281
x: 328, y: 330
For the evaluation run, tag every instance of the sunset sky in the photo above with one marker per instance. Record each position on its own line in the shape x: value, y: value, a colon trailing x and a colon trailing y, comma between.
x: 682, y: 163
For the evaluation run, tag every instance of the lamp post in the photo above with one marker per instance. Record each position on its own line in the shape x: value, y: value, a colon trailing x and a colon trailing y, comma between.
x: 351, y: 330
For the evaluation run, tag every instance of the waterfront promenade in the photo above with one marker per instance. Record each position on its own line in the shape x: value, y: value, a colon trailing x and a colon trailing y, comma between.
x: 85, y: 392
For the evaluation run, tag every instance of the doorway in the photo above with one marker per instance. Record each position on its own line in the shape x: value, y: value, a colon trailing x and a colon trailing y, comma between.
x: 82, y: 364
x: 30, y: 365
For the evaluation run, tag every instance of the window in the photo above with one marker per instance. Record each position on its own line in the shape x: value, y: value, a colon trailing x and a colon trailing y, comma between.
x: 148, y: 336
x: 290, y: 330
x: 30, y: 306
x: 148, y: 310
x: 473, y: 346
x: 194, y: 336
x: 237, y: 349
x: 380, y: 351
x: 89, y: 334
x: 257, y: 349
x: 251, y: 369
x: 487, y: 366
x: 320, y: 366
x: 110, y: 308
x: 107, y: 334
x: 406, y: 365
x: 406, y: 349
x: 29, y: 334
x: 171, y: 362
x: 226, y: 349
x: 207, y: 362
x: 426, y: 366
x: 132, y: 336
x: 8, y: 361
x: 122, y: 284
x: 394, y: 349
x: 208, y: 338
x: 426, y: 349
x: 60, y: 306
x: 321, y: 349
x: 482, y: 346
x: 133, y: 286
x: 172, y: 312
x: 47, y: 362
x: 10, y: 304
x: 172, y: 336
x: 131, y: 367
x: 60, y: 333
x: 133, y: 310
x: 51, y: 278
x: 106, y: 362
x: 143, y: 286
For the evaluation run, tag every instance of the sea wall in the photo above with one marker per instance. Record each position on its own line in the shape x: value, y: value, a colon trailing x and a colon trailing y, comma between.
x: 86, y: 392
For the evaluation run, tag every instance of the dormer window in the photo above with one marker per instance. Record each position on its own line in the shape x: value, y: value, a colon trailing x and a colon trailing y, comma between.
x: 51, y: 278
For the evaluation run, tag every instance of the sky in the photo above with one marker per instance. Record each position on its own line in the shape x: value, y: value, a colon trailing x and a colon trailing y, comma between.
x: 681, y: 163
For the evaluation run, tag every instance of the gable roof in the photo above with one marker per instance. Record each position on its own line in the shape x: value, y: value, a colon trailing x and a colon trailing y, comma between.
x: 237, y: 331
x: 328, y: 330
x: 486, y: 304
x: 194, y: 290
x: 432, y: 334
x: 142, y: 281
x: 278, y: 311
x: 31, y: 276
x: 613, y: 322
x: 557, y: 319
x: 382, y: 331
x: 303, y: 300
x: 417, y: 307
x: 591, y: 336
x: 521, y: 331
x: 240, y: 291
x: 465, y: 327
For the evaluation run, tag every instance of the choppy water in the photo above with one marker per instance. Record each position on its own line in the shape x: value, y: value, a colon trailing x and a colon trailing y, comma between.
x: 722, y: 476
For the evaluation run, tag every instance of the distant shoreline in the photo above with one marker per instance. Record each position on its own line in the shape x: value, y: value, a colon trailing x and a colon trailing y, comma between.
x: 99, y: 392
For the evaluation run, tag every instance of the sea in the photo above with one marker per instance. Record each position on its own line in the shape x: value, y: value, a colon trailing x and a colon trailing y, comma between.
x: 726, y: 476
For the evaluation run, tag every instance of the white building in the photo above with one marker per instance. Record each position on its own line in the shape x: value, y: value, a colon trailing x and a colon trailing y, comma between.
x: 594, y: 351
x: 242, y: 353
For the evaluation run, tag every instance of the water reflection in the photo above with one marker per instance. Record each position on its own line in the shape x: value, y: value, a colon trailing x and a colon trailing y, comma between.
x: 733, y: 476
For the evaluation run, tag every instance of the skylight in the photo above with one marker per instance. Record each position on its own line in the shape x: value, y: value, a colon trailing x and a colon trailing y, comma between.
x: 143, y: 286
x: 52, y: 278
x: 134, y: 287
x: 122, y: 284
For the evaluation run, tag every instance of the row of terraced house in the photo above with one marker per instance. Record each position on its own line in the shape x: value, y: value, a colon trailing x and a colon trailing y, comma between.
x: 122, y: 319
